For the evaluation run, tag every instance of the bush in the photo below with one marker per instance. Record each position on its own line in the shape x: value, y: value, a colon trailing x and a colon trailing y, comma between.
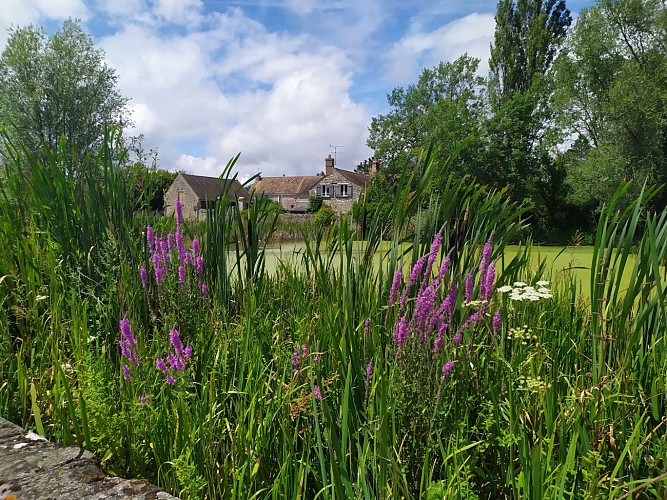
x: 314, y: 204
x: 325, y: 216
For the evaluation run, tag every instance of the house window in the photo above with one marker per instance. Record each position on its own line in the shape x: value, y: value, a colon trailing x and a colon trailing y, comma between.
x: 344, y: 190
x: 318, y: 190
x: 327, y: 190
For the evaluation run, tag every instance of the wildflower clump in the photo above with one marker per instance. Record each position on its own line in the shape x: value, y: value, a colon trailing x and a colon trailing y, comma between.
x: 520, y: 291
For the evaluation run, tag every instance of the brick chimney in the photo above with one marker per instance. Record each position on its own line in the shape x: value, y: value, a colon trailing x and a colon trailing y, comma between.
x: 329, y: 165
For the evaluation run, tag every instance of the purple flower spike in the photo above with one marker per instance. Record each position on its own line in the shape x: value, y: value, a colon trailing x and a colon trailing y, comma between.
x: 181, y: 274
x: 416, y: 270
x: 469, y: 287
x: 369, y: 371
x: 401, y: 332
x: 317, y: 393
x: 170, y: 242
x: 195, y: 246
x: 143, y: 274
x: 161, y: 366
x: 488, y: 281
x: 170, y: 380
x: 447, y: 368
x: 497, y: 321
x: 398, y: 277
x: 150, y: 238
x: 176, y: 343
x: 204, y: 289
x: 187, y: 352
x: 180, y: 247
x: 145, y: 398
x: 367, y: 327
x: 126, y: 372
x: 179, y: 213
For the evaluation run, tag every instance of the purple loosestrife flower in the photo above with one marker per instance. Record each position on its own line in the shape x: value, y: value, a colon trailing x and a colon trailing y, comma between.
x: 424, y: 307
x: 195, y: 246
x: 295, y: 362
x: 181, y: 274
x: 144, y: 398
x: 469, y: 287
x: 497, y: 321
x: 488, y: 282
x: 416, y: 270
x: 432, y: 255
x: 179, y: 213
x: 188, y: 258
x: 447, y: 368
x: 484, y: 266
x: 369, y: 371
x: 367, y: 327
x: 304, y: 351
x: 164, y: 252
x: 317, y: 393
x: 170, y: 380
x: 170, y: 242
x: 204, y: 288
x: 179, y: 246
x: 161, y: 366
x: 150, y: 238
x: 127, y: 342
x: 398, y: 277
x: 176, y: 343
x: 143, y: 274
x: 126, y: 372
x: 187, y: 352
x: 444, y: 267
x: 401, y: 332
x: 199, y: 264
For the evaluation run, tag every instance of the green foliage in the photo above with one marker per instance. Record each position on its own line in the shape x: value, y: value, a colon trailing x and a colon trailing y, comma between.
x: 314, y: 204
x: 58, y: 86
x: 444, y: 108
x: 325, y: 216
x: 610, y: 94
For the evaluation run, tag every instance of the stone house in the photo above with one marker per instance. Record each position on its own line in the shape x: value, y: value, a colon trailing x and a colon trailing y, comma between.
x: 199, y: 193
x: 340, y: 188
x: 292, y: 192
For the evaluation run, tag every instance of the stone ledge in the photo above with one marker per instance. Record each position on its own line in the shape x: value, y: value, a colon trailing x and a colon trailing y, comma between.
x: 33, y: 468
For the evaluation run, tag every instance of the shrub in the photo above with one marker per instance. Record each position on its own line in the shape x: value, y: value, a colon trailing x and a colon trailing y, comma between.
x: 325, y: 216
x: 314, y: 204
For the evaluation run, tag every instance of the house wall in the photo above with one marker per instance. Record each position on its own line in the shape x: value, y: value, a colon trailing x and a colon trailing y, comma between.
x: 287, y: 200
x: 338, y: 204
x: 180, y: 189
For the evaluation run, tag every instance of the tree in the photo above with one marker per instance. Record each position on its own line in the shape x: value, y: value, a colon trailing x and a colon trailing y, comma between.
x: 526, y: 40
x: 58, y: 86
x: 611, y: 84
x: 444, y: 108
x: 520, y: 132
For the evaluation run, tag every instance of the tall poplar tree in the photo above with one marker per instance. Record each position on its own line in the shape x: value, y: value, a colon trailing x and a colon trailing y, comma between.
x: 528, y: 36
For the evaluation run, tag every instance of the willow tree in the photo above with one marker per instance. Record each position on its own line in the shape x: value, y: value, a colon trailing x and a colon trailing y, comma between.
x: 58, y: 86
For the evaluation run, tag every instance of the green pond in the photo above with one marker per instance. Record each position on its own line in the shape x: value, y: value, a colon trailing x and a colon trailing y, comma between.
x: 560, y: 260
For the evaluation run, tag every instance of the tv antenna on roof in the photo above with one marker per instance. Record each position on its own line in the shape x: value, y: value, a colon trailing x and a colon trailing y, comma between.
x: 331, y: 146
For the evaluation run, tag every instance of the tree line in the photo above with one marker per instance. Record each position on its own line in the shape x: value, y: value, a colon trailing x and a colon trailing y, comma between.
x: 567, y: 112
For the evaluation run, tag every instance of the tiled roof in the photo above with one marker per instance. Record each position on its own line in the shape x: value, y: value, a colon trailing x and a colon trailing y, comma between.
x: 294, y: 184
x: 354, y: 177
x: 210, y: 188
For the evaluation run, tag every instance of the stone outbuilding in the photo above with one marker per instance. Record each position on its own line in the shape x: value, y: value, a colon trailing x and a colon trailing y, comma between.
x: 292, y: 192
x: 198, y: 194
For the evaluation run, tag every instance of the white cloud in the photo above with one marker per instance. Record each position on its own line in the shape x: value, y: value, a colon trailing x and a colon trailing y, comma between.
x: 186, y: 12
x: 472, y: 34
x: 24, y: 12
x: 235, y: 87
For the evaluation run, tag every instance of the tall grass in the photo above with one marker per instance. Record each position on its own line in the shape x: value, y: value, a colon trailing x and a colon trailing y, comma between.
x: 297, y: 386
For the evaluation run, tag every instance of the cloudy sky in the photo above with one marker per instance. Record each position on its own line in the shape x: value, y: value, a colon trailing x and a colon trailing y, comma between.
x: 281, y: 81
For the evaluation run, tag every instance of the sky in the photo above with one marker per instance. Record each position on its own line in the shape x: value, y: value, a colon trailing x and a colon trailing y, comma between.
x: 283, y: 82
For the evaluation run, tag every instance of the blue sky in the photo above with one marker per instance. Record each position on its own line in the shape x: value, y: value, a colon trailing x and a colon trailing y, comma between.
x: 278, y: 81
